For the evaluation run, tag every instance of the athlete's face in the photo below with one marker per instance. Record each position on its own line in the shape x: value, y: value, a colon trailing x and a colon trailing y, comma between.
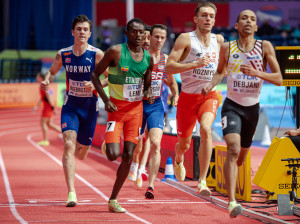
x: 247, y: 22
x: 158, y: 38
x: 135, y: 33
x: 205, y: 19
x: 82, y: 32
x: 146, y: 40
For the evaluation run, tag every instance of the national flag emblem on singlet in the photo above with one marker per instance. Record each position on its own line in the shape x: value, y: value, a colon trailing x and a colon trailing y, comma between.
x: 125, y: 68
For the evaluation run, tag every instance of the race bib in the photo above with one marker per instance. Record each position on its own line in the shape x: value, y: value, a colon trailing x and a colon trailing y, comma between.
x: 110, y: 127
x: 205, y: 73
x: 156, y: 87
x: 76, y: 88
x: 132, y: 92
x: 244, y: 84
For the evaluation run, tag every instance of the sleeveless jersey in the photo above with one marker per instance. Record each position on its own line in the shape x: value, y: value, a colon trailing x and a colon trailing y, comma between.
x: 44, y: 99
x: 195, y: 79
x: 79, y: 69
x: 241, y: 88
x: 125, y: 81
x: 158, y: 76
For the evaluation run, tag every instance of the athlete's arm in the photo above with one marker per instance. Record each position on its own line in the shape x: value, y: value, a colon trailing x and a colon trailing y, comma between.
x: 37, y: 105
x: 55, y: 67
x: 99, y: 56
x: 269, y: 56
x: 172, y: 84
x: 220, y: 40
x: 110, y: 58
x: 219, y: 75
x: 179, y: 52
x: 292, y: 132
x: 147, y: 82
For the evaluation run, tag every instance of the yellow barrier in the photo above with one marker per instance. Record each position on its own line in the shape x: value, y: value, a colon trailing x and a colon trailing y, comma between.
x: 243, y: 185
x: 272, y: 173
x: 23, y: 94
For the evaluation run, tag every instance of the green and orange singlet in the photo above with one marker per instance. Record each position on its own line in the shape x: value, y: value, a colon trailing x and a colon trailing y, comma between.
x: 125, y: 81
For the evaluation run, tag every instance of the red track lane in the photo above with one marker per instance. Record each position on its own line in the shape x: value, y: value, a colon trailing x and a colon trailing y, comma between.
x: 33, y: 188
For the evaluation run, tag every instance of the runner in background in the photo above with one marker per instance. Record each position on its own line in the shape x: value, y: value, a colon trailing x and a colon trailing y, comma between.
x: 47, y: 113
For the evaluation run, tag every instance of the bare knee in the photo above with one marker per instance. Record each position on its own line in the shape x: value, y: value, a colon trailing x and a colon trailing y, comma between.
x: 183, y: 146
x: 233, y: 151
x: 127, y: 158
x: 205, y: 132
x: 112, y: 152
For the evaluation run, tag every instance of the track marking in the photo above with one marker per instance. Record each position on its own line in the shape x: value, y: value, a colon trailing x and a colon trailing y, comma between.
x: 105, y: 203
x: 80, y: 178
x: 19, y: 130
x: 9, y: 193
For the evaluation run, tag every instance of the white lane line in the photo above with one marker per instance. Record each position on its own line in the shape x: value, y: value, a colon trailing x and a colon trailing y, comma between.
x: 105, y: 203
x: 80, y: 178
x: 9, y: 193
x: 19, y: 130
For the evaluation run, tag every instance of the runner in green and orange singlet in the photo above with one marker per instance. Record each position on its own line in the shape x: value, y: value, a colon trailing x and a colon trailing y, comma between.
x: 129, y: 66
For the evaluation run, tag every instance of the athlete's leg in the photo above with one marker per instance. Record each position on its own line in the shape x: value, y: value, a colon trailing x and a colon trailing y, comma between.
x: 81, y: 150
x: 230, y: 166
x: 113, y: 151
x: 44, y: 121
x: 155, y: 135
x: 68, y: 159
x: 205, y: 148
x: 181, y: 147
x: 242, y: 156
x: 124, y: 167
x: 53, y: 126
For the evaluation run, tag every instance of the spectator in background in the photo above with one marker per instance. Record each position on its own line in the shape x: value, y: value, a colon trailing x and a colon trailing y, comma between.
x: 285, y: 26
x: 265, y: 29
x: 296, y: 32
x: 233, y: 36
x: 47, y: 113
x: 106, y: 35
x: 284, y: 38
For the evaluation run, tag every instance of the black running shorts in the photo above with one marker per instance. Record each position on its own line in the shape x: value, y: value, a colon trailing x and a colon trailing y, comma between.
x: 241, y: 120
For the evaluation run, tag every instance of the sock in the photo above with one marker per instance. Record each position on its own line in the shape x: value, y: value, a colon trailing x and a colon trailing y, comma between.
x: 142, y: 168
x: 203, y: 182
x: 134, y: 167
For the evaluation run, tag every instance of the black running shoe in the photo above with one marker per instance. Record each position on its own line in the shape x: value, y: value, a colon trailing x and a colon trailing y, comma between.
x: 149, y: 193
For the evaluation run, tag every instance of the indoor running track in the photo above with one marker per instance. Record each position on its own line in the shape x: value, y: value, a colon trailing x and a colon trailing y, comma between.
x: 33, y: 188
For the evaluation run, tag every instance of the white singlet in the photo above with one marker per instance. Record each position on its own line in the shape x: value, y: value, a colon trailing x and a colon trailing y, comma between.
x: 195, y: 79
x: 241, y: 88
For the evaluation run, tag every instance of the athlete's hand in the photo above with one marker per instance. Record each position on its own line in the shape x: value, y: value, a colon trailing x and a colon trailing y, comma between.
x: 175, y: 100
x: 248, y: 70
x: 202, y: 62
x: 206, y: 90
x: 88, y: 85
x: 45, y: 85
x: 110, y: 107
x: 292, y: 133
x: 149, y: 96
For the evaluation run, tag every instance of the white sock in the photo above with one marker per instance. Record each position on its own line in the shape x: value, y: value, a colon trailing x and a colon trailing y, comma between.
x: 203, y: 182
x: 134, y: 167
x: 142, y: 168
